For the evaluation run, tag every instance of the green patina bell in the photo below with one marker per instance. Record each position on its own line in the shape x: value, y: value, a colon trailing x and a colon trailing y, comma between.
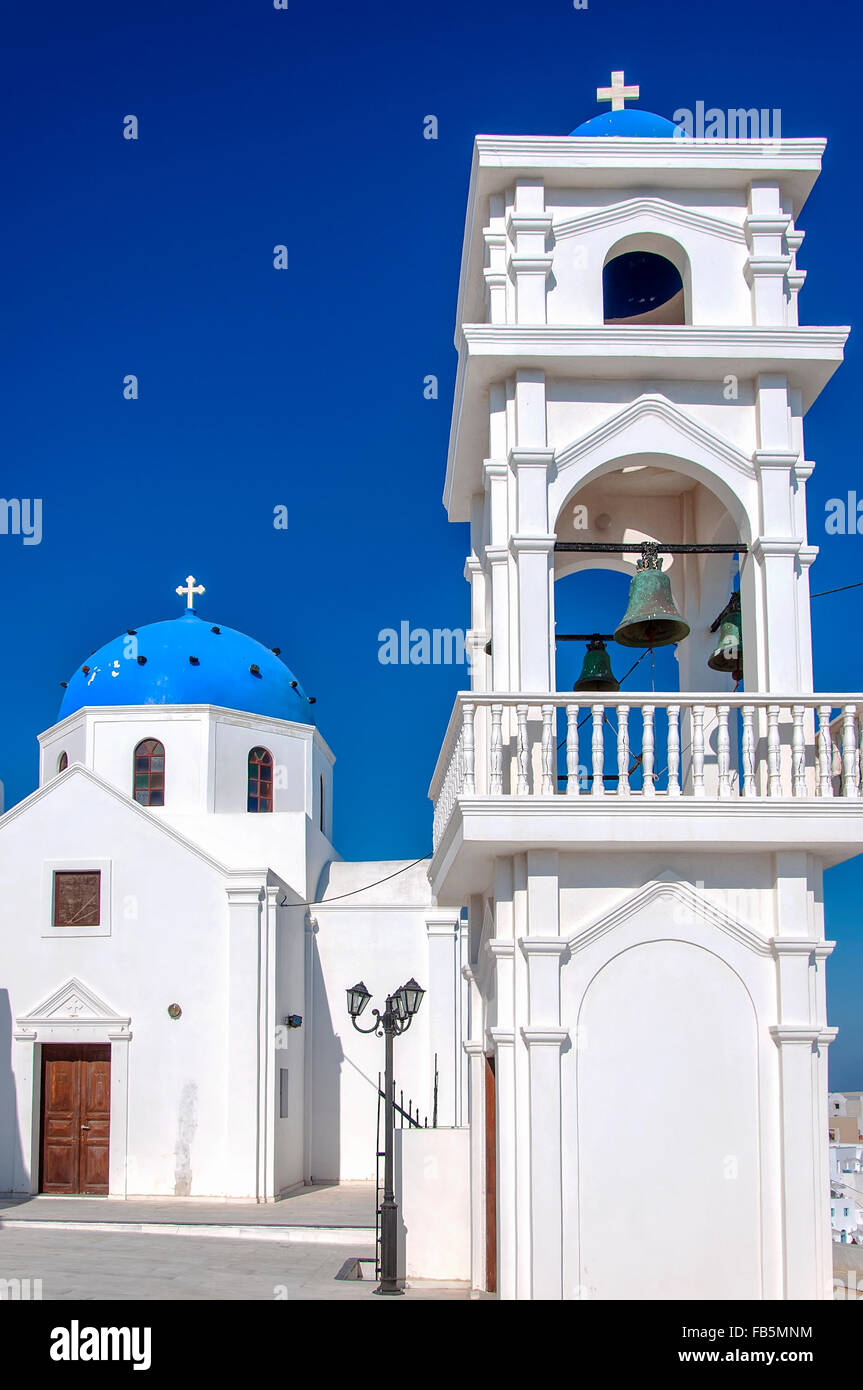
x: 651, y: 619
x: 728, y: 655
x: 596, y: 673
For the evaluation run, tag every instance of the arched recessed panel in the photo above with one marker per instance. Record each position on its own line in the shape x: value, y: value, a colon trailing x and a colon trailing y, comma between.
x: 668, y: 1190
x: 63, y: 761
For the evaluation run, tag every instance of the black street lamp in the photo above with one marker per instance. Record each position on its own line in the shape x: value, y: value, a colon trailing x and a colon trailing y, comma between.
x: 396, y: 1018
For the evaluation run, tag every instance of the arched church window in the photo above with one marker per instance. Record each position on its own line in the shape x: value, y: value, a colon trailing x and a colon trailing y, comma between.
x: 260, y: 797
x: 63, y: 762
x: 642, y: 287
x: 149, y: 787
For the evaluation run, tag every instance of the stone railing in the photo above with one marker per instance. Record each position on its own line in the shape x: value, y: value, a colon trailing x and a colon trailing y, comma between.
x: 648, y: 745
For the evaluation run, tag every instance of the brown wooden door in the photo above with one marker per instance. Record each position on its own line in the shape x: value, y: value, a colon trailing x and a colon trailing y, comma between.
x: 490, y: 1178
x: 76, y: 1117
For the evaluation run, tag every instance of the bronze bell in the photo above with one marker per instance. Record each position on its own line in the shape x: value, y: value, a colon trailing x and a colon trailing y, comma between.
x: 728, y: 654
x: 651, y: 618
x: 596, y: 673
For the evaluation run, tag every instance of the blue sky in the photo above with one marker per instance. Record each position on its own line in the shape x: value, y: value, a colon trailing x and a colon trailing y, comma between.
x: 305, y: 387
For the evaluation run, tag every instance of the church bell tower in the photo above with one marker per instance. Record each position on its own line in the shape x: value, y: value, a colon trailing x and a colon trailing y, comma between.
x: 643, y: 868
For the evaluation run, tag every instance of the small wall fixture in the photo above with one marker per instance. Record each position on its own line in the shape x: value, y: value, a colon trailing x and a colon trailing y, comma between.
x: 294, y: 1021
x: 174, y: 1010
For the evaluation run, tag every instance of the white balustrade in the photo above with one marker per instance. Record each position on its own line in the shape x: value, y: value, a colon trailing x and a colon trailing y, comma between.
x: 649, y: 747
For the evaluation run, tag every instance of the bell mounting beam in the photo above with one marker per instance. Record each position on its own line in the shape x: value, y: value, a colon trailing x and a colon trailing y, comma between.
x: 584, y: 636
x: 635, y: 547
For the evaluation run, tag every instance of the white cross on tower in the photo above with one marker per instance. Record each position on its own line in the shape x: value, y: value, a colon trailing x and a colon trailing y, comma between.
x: 189, y: 589
x: 617, y: 92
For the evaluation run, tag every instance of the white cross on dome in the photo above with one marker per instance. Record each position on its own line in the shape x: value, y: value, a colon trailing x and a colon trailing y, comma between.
x: 618, y: 92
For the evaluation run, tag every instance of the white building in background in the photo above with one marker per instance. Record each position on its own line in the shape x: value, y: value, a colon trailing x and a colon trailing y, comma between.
x: 625, y: 893
x: 846, y: 1217
x: 845, y: 1116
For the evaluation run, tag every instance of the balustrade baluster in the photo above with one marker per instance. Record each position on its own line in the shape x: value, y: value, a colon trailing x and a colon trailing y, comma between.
x: 825, y: 752
x: 647, y: 751
x: 623, y: 750
x: 723, y: 752
x: 523, y: 752
x: 798, y: 751
x: 572, y: 787
x: 748, y: 751
x: 674, y: 750
x: 495, y: 780
x: 548, y: 751
x: 698, y: 750
x: 597, y: 750
x: 774, y: 749
x: 850, y: 771
x: 469, y: 783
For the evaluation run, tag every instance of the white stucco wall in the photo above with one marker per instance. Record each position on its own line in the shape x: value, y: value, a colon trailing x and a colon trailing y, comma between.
x: 433, y: 1192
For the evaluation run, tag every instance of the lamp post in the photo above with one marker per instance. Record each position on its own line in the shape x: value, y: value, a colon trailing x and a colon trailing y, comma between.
x: 396, y: 1018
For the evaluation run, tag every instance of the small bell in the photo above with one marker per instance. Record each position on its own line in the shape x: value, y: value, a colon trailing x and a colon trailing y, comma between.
x: 596, y: 673
x: 651, y: 618
x: 728, y: 654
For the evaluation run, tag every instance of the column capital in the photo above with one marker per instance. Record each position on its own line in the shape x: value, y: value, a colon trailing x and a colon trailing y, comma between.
x: 442, y: 924
x: 768, y: 547
x: 781, y: 459
x: 521, y: 458
x: 474, y: 1049
x: 545, y: 1037
x: 538, y: 223
x: 791, y: 1034
x: 539, y: 545
x: 496, y: 554
x: 502, y: 1037
x: 494, y: 468
x: 544, y: 945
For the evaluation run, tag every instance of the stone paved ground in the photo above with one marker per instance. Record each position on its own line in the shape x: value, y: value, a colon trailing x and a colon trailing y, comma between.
x: 101, y: 1265
x: 324, y: 1204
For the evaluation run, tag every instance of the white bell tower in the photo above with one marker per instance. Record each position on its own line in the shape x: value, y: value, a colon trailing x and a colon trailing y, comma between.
x: 643, y: 869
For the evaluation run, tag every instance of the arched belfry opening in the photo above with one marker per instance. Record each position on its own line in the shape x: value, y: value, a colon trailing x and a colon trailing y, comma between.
x: 645, y: 281
x: 695, y: 573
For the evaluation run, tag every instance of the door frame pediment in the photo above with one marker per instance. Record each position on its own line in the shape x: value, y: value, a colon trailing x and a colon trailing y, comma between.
x: 73, y: 1013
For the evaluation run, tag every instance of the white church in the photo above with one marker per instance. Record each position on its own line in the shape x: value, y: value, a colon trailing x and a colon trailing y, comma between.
x: 620, y: 929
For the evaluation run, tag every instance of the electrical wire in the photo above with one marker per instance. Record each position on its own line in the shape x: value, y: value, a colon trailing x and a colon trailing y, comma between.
x: 325, y: 902
x: 840, y: 590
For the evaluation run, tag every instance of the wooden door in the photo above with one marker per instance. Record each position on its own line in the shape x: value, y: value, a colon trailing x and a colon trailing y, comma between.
x: 76, y: 1117
x: 490, y: 1179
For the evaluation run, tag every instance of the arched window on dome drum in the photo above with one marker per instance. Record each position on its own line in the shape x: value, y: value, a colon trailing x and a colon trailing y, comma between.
x: 62, y: 762
x: 149, y: 788
x: 260, y: 794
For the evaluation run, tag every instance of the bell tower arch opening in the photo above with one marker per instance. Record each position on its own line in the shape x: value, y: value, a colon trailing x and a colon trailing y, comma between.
x: 646, y: 280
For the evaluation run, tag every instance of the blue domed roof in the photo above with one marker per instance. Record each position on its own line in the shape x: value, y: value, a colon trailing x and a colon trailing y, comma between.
x: 152, y: 666
x: 643, y: 124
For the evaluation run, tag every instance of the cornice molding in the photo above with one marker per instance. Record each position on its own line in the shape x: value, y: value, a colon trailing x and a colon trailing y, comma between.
x: 657, y: 210
x: 653, y: 405
x: 701, y: 909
